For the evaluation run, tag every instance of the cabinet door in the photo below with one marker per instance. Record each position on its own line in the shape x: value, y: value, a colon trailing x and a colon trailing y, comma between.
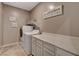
x: 34, y: 50
x: 39, y: 51
x: 48, y: 49
x: 61, y: 52
x: 39, y: 47
x: 47, y: 52
x: 49, y: 46
x: 34, y: 45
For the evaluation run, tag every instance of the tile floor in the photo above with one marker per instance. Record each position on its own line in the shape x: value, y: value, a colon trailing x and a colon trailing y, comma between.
x: 15, y: 50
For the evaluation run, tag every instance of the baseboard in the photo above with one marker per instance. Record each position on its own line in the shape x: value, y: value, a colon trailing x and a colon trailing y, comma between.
x: 11, y: 44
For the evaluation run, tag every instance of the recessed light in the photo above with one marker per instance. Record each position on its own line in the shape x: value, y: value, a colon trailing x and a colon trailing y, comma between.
x: 51, y: 7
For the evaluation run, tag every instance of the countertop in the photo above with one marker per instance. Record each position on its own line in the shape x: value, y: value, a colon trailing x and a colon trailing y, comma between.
x: 68, y: 43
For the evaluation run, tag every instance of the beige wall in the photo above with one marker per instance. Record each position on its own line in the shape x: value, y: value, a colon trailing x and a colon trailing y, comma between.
x: 10, y: 34
x: 66, y: 24
x: 0, y: 24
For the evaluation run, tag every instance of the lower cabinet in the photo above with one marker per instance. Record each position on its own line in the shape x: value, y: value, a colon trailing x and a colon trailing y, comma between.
x: 36, y: 47
x: 41, y: 48
x: 61, y: 52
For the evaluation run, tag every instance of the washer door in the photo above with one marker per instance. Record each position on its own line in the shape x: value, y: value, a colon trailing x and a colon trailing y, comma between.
x: 27, y: 42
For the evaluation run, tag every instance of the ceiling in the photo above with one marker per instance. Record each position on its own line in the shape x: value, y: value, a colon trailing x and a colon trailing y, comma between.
x: 23, y: 5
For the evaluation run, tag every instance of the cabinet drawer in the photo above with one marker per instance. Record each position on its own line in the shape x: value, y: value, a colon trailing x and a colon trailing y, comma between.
x: 36, y: 41
x: 39, y: 41
x: 61, y: 52
x: 33, y: 39
x: 49, y: 46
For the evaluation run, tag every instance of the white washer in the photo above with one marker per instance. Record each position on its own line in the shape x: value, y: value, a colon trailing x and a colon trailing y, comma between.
x: 26, y: 40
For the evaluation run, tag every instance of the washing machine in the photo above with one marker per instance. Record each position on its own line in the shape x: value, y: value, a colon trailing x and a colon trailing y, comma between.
x: 26, y: 39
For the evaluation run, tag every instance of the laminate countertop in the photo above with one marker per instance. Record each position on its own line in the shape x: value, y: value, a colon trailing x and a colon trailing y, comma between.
x: 68, y: 43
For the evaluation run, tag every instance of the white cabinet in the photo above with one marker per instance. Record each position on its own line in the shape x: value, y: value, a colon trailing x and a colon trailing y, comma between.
x: 36, y: 47
x: 61, y: 52
x: 41, y: 48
